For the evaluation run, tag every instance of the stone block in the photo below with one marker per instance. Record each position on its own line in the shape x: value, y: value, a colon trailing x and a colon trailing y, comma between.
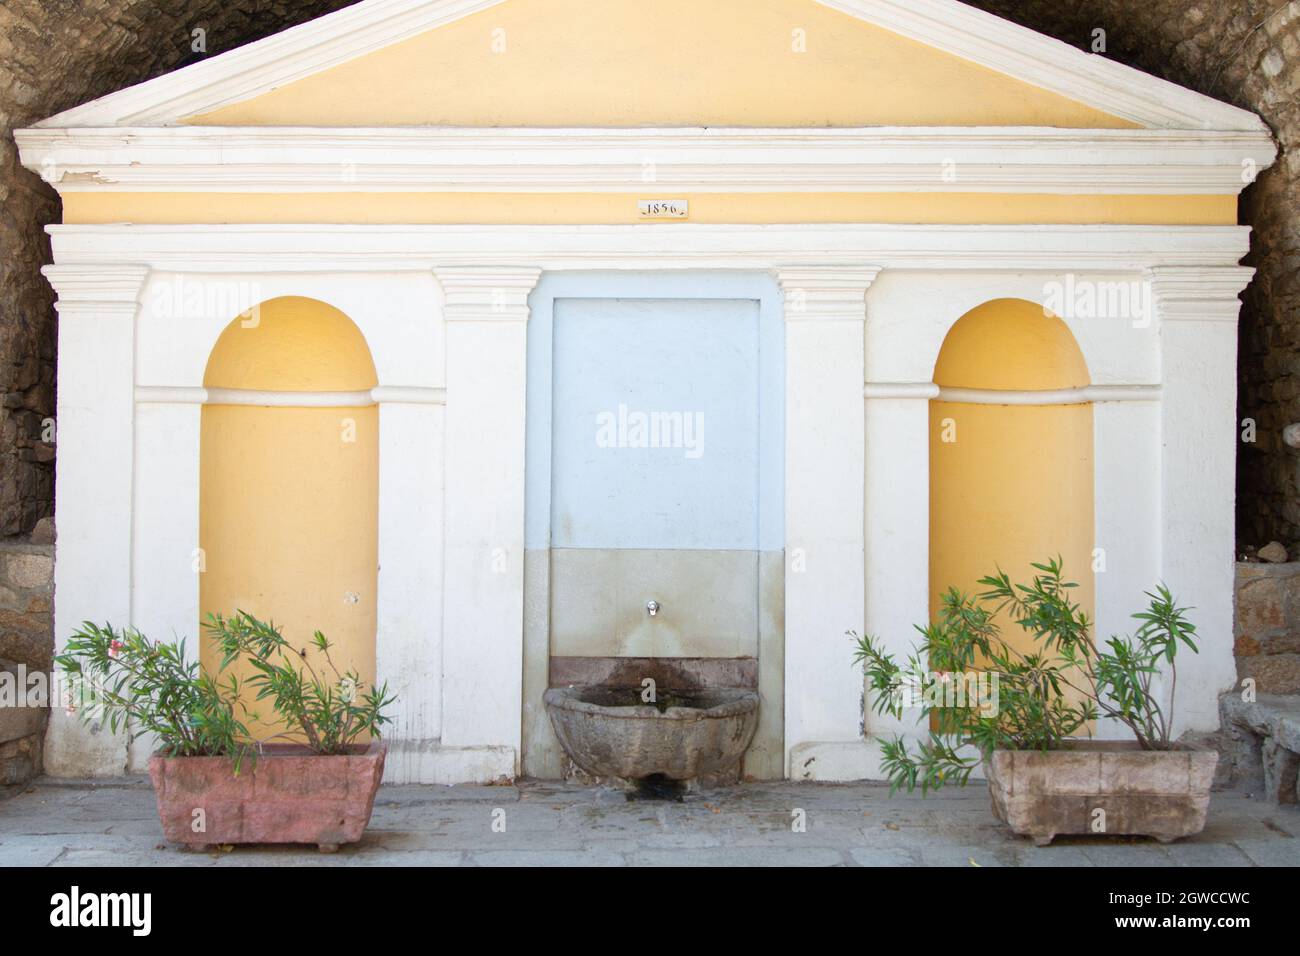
x: 1272, y: 673
x: 1267, y: 735
x: 30, y: 570
x: 1043, y: 794
x: 20, y: 760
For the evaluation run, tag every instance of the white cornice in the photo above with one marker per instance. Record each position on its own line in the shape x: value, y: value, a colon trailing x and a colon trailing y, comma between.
x: 885, y: 159
x: 514, y: 252
x: 946, y: 25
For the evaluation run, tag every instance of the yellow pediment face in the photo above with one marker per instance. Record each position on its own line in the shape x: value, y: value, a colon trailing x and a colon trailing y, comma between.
x: 562, y: 63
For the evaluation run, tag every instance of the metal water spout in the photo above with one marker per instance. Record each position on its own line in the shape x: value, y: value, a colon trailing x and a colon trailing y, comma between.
x: 652, y: 608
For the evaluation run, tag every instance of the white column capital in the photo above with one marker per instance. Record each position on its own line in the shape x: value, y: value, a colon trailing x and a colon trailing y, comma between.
x: 487, y: 293
x: 829, y: 293
x: 96, y: 288
x: 1198, y: 293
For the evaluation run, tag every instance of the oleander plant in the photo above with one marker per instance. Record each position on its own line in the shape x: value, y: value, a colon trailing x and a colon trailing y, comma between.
x: 1043, y: 696
x: 145, y: 687
x: 327, y: 708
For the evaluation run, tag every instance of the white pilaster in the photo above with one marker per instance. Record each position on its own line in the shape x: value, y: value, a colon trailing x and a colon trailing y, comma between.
x: 486, y: 310
x: 1126, y: 497
x: 410, y: 626
x: 1197, y: 309
x: 898, y: 534
x: 95, y: 433
x: 825, y: 309
x: 166, y: 562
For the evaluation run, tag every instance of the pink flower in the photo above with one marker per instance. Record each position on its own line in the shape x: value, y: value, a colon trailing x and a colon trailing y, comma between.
x: 114, y: 647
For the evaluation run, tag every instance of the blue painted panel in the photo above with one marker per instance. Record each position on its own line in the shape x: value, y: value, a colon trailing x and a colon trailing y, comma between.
x: 655, y: 429
x: 557, y: 289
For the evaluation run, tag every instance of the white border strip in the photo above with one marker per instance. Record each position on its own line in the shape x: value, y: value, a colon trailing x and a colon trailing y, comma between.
x: 180, y: 395
x: 1090, y: 394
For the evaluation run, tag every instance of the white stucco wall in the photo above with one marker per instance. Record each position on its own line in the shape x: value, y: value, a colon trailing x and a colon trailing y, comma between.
x: 445, y: 311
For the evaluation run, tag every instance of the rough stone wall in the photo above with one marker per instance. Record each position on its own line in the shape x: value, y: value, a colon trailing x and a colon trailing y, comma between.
x: 26, y: 646
x: 55, y: 54
x: 1267, y: 626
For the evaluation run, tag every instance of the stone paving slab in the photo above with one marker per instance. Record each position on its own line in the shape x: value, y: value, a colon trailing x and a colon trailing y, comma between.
x: 114, y: 823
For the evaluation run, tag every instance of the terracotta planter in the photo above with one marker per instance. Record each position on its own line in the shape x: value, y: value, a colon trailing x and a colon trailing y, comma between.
x: 287, y: 796
x: 1162, y: 794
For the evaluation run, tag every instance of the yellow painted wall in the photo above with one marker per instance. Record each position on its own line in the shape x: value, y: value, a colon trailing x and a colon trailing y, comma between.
x: 669, y: 63
x: 613, y: 208
x: 1017, y: 484
x: 289, y: 497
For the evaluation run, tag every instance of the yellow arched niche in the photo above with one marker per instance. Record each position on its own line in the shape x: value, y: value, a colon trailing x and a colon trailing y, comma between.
x: 1010, y: 484
x: 289, y: 496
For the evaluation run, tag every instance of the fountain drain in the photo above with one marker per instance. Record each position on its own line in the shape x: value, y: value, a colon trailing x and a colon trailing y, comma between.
x: 658, y: 787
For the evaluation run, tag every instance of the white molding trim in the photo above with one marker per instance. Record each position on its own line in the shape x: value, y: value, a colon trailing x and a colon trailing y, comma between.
x: 276, y: 399
x: 886, y: 159
x: 408, y: 395
x: 1087, y: 395
x: 922, y: 391
x: 170, y: 395
x: 184, y: 395
x: 519, y: 251
x: 946, y: 25
x: 1187, y: 294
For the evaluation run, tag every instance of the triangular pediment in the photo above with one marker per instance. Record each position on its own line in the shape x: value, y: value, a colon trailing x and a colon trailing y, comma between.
x: 690, y: 63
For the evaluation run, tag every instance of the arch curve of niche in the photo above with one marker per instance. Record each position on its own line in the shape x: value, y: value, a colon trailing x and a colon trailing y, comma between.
x: 1010, y: 483
x: 288, y: 487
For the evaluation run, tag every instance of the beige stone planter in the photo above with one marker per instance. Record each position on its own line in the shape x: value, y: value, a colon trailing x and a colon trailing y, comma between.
x: 1043, y: 795
x: 287, y: 796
